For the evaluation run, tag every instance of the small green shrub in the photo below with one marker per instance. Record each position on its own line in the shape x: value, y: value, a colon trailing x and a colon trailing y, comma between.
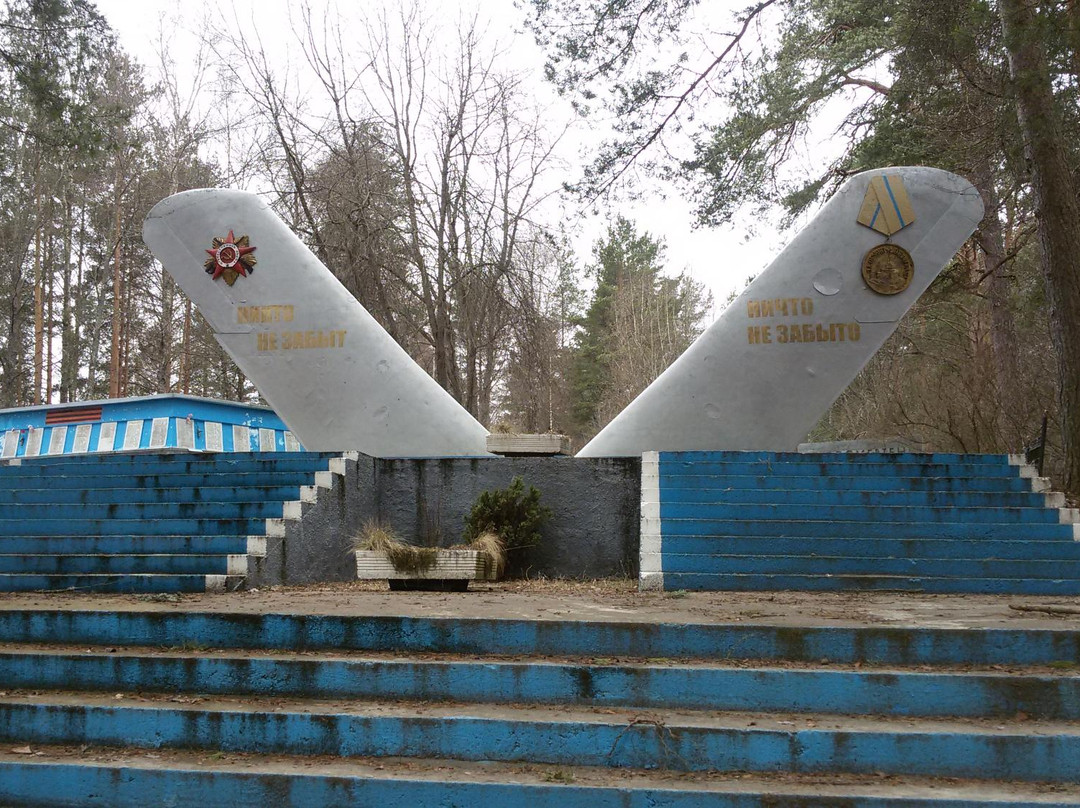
x: 513, y: 514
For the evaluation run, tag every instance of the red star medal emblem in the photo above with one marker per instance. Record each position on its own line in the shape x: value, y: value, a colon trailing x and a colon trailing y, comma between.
x: 230, y: 258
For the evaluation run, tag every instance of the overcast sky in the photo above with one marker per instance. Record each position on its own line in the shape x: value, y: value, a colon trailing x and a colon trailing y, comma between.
x: 721, y: 258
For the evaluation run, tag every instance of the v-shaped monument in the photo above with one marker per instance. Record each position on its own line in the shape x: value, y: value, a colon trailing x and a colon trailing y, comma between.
x: 759, y: 377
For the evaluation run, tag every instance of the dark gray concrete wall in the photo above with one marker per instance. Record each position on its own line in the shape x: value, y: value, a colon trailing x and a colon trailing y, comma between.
x: 595, y: 504
x: 592, y: 533
x: 318, y: 546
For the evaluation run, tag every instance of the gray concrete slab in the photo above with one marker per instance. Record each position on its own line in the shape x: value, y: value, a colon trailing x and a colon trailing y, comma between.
x: 609, y: 600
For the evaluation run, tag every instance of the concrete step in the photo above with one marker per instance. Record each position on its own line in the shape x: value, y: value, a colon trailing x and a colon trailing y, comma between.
x: 880, y: 645
x: 866, y: 529
x: 223, y: 492
x: 197, y: 480
x: 131, y: 527
x: 860, y: 499
x: 765, y: 482
x: 139, y: 511
x: 74, y: 776
x: 811, y: 582
x: 844, y: 513
x: 907, y: 566
x: 225, y: 544
x: 162, y: 457
x: 614, y: 737
x: 127, y: 583
x: 670, y: 468
x: 985, y: 549
x: 116, y: 564
x: 853, y: 458
x: 539, y: 680
x: 160, y: 464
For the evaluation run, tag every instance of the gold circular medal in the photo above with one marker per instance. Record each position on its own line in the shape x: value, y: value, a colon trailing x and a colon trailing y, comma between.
x: 888, y: 269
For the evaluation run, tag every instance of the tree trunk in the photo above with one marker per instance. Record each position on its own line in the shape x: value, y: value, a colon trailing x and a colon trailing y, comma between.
x: 39, y: 319
x: 1073, y: 9
x: 69, y: 353
x: 50, y: 278
x: 1003, y: 336
x: 114, y: 361
x: 185, y: 351
x: 1058, y: 210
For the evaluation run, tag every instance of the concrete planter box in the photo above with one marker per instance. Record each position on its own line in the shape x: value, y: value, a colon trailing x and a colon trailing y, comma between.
x: 453, y: 569
x: 528, y: 445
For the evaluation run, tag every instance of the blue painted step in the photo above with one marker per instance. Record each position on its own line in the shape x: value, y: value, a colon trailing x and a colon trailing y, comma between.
x: 118, y: 544
x: 120, y: 510
x: 860, y: 565
x: 163, y: 457
x: 150, y: 464
x: 809, y: 468
x: 952, y: 750
x: 712, y: 482
x: 127, y: 583
x: 860, y: 499
x: 852, y: 583
x: 129, y: 527
x: 1063, y: 548
x: 216, y: 493
x: 882, y: 645
x: 841, y: 692
x: 739, y: 456
x: 181, y: 783
x: 36, y: 512
x: 865, y: 529
x: 185, y: 480
x: 115, y: 564
x: 11, y: 474
x: 844, y: 513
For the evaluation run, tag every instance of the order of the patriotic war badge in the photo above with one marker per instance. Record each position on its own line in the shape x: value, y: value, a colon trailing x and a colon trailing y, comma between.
x: 230, y: 258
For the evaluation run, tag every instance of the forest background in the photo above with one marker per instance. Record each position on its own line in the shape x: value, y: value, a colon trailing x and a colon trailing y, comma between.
x: 421, y: 171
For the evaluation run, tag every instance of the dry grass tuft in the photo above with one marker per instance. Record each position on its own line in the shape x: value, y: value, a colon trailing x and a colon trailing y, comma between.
x: 404, y: 557
x: 409, y: 558
x: 490, y: 543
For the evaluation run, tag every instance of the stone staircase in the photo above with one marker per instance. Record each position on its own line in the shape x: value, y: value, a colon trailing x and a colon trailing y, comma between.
x: 145, y: 522
x: 182, y: 708
x: 942, y: 523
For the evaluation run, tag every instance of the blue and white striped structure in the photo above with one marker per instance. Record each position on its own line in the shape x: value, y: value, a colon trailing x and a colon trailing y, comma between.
x: 149, y: 422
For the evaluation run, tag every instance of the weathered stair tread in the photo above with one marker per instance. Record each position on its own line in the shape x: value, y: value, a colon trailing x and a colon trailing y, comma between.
x: 642, y: 684
x: 120, y: 582
x: 178, y: 479
x: 221, y: 492
x: 126, y: 563
x: 247, y: 780
x: 825, y: 528
x: 620, y: 717
x: 674, y: 739
x: 256, y: 620
x: 767, y: 482
x: 817, y: 563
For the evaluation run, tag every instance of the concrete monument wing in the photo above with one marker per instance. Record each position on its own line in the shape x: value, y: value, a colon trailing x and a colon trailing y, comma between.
x: 767, y: 370
x: 318, y: 357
